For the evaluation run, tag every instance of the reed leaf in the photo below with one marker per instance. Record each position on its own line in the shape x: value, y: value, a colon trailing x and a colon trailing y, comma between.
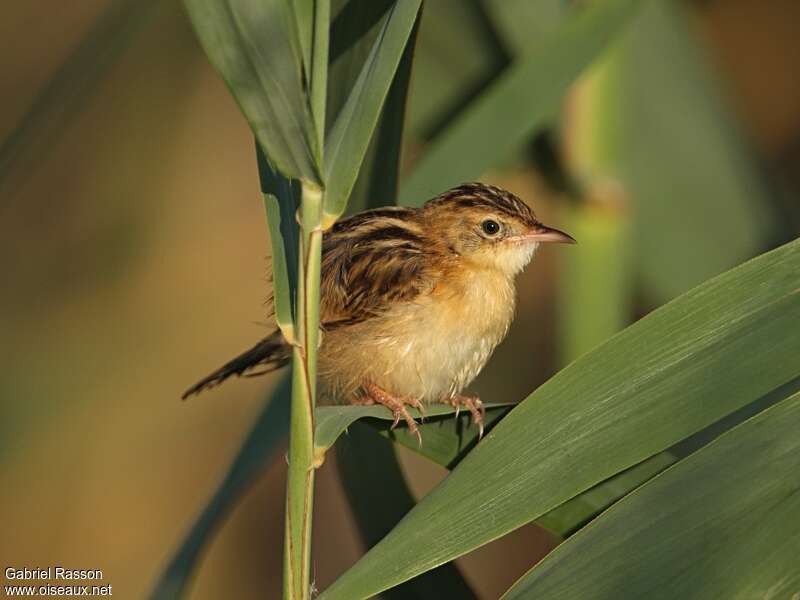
x: 256, y: 453
x: 355, y: 25
x: 318, y: 84
x: 255, y: 47
x: 523, y: 98
x: 523, y: 24
x: 686, y: 365
x: 576, y: 512
x: 378, y: 177
x: 281, y: 198
x: 723, y: 523
x: 363, y: 459
x: 447, y: 439
x: 350, y: 135
x: 332, y: 421
x: 450, y: 71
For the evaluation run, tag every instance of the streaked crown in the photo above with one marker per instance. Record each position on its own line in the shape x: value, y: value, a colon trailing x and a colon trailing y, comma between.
x: 487, y: 197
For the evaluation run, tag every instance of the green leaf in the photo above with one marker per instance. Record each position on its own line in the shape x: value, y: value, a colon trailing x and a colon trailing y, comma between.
x: 690, y: 175
x: 254, y: 46
x: 377, y: 180
x: 332, y: 421
x: 723, y: 523
x: 446, y: 440
x: 364, y: 459
x: 280, y: 197
x: 449, y: 72
x: 681, y: 368
x: 348, y: 140
x: 354, y: 28
x: 523, y: 24
x: 319, y: 66
x: 302, y: 12
x: 575, y: 512
x: 255, y: 454
x: 519, y: 102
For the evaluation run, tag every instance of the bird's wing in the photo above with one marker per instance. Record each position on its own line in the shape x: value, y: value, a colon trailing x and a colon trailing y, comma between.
x: 370, y: 262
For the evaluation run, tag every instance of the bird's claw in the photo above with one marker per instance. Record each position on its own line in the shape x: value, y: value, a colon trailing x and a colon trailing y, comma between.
x: 474, y: 405
x: 401, y: 412
x: 396, y: 404
x: 416, y: 403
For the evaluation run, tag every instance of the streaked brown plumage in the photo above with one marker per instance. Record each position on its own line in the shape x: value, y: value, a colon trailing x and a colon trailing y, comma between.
x: 413, y: 301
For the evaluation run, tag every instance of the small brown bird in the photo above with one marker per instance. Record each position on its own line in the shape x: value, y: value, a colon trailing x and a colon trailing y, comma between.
x: 413, y: 301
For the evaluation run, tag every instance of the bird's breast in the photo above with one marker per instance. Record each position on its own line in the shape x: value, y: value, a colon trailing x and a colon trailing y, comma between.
x: 429, y: 348
x: 478, y: 304
x: 440, y: 343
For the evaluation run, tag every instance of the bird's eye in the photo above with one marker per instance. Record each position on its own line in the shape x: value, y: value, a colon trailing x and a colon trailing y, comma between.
x: 490, y: 227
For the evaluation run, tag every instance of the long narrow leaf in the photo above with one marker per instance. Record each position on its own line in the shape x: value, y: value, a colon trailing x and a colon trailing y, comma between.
x: 350, y: 135
x: 333, y: 421
x: 380, y: 497
x: 379, y: 175
x: 253, y: 45
x: 280, y: 202
x: 302, y: 12
x: 319, y: 67
x: 449, y: 72
x: 255, y: 454
x: 518, y: 103
x: 354, y: 27
x: 574, y: 513
x: 723, y: 523
x: 681, y: 368
x: 447, y: 439
x: 523, y: 24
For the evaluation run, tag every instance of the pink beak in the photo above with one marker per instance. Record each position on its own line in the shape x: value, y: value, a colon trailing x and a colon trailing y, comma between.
x: 543, y: 233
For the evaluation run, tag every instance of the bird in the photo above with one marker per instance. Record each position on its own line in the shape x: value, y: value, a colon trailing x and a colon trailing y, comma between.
x: 413, y: 301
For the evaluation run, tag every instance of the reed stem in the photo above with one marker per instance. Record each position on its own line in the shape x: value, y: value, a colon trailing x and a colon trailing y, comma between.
x: 300, y: 483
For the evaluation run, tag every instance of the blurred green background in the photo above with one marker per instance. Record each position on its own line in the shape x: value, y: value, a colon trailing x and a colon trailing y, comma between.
x: 135, y: 259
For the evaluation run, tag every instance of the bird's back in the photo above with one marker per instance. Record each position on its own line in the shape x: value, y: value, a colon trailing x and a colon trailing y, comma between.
x: 372, y: 261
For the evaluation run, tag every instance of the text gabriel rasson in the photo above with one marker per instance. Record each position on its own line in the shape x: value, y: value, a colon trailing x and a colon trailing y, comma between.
x: 51, y: 573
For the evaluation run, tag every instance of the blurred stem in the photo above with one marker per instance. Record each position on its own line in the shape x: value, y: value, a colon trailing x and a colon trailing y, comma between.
x: 300, y: 484
x: 595, y: 286
x: 595, y: 282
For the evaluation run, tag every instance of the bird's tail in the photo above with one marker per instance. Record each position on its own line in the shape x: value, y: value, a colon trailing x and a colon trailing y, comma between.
x: 269, y: 354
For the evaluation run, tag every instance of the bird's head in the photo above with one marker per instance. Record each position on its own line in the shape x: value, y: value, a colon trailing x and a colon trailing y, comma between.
x: 488, y: 225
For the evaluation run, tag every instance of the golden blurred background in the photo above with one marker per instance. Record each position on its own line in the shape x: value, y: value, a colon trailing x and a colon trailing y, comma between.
x: 134, y: 258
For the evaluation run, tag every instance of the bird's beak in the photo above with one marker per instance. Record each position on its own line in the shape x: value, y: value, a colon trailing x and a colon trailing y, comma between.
x: 543, y: 233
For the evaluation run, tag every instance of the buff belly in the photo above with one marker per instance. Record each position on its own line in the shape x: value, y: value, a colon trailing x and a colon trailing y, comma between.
x: 429, y: 349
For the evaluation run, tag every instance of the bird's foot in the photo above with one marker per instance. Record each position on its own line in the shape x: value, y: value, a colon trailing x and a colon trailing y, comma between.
x: 473, y: 404
x: 374, y: 394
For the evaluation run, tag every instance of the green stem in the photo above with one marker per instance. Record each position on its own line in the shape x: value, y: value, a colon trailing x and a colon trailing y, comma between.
x: 300, y: 484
